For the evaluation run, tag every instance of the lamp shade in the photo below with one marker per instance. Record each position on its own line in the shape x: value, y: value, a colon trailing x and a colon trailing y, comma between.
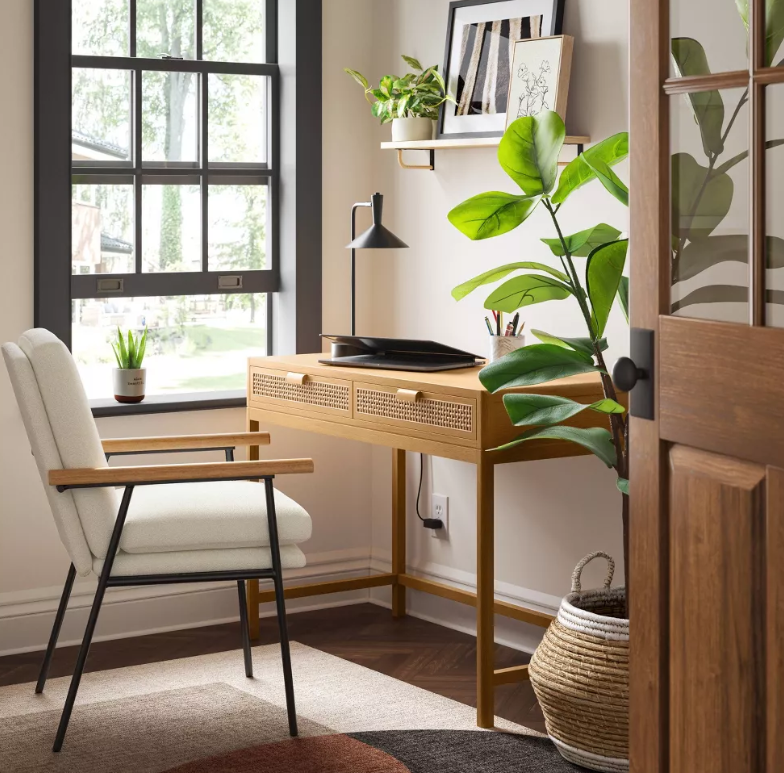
x: 377, y: 237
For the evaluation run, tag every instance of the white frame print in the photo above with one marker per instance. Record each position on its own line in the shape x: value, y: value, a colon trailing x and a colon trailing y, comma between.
x: 540, y: 77
x: 481, y: 109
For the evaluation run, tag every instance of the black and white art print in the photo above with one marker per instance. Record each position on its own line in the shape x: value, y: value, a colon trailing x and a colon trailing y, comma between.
x: 479, y: 57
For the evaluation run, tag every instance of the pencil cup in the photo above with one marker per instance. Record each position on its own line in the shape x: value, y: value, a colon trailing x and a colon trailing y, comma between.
x: 500, y: 346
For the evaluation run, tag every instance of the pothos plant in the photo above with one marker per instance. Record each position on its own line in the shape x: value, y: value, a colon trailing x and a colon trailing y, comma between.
x: 590, y: 275
x: 417, y: 94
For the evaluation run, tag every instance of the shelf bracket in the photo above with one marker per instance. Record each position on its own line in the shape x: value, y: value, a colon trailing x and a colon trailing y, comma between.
x: 404, y: 165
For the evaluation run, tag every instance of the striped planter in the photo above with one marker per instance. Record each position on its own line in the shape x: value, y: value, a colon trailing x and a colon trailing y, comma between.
x: 580, y: 674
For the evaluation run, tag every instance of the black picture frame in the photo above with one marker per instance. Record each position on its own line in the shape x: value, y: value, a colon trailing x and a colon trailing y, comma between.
x: 557, y: 29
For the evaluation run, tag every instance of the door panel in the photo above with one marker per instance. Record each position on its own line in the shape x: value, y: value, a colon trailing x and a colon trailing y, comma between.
x: 717, y: 578
x: 775, y: 620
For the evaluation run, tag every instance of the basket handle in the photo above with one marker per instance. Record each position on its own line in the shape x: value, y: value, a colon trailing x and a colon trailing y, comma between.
x: 578, y: 570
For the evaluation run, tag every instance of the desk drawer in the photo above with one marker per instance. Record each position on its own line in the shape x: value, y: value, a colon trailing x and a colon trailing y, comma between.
x: 426, y: 411
x: 299, y: 390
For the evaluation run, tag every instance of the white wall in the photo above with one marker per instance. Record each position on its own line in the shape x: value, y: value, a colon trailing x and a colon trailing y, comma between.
x: 549, y: 513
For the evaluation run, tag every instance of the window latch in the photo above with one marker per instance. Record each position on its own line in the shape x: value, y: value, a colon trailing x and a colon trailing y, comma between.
x: 169, y: 56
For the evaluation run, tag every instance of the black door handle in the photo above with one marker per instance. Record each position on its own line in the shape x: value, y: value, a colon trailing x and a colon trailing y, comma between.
x: 626, y: 374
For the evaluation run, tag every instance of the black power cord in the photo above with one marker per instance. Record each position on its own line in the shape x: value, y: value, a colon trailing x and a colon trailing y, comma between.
x: 428, y: 523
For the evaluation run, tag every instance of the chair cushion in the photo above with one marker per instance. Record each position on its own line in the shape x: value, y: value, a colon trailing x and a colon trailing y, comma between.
x: 208, y: 516
x: 234, y: 559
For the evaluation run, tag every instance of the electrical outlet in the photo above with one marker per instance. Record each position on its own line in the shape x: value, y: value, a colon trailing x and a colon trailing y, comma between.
x: 439, y: 508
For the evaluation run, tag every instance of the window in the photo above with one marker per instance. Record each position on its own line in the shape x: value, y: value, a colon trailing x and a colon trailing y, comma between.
x: 174, y: 178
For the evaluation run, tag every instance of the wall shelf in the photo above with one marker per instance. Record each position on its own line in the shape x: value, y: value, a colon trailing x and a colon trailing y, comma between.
x: 479, y: 142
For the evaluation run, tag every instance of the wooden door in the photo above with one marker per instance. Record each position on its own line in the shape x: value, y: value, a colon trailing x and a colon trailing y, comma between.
x: 707, y: 472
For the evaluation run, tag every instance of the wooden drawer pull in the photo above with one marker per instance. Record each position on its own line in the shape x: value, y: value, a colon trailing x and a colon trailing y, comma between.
x: 297, y: 378
x: 408, y: 395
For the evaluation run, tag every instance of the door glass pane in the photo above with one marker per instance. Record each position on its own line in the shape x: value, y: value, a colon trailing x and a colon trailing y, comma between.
x: 710, y: 205
x: 166, y: 27
x: 196, y: 343
x: 237, y: 118
x: 774, y: 33
x: 774, y: 181
x: 234, y: 31
x: 102, y: 229
x: 101, y: 115
x: 707, y: 36
x: 238, y: 233
x: 100, y: 27
x: 169, y: 117
x: 171, y: 228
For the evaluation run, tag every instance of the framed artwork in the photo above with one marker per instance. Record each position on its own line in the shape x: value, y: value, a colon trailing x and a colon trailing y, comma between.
x: 480, y: 41
x: 540, y: 76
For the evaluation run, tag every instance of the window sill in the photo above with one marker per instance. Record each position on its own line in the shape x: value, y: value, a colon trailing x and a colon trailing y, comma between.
x: 200, y: 401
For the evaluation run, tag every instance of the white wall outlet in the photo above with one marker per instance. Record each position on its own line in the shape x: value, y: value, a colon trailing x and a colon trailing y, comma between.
x: 439, y: 508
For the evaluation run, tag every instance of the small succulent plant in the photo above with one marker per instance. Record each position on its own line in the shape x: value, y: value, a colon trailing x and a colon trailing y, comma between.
x: 130, y: 354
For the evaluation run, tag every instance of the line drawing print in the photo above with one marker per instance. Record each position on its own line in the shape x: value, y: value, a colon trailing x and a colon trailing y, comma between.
x: 533, y: 98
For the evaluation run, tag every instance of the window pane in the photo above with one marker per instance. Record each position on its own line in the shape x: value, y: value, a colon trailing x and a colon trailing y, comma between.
x: 774, y: 180
x: 171, y: 228
x: 102, y: 229
x: 196, y: 343
x: 710, y: 206
x: 238, y: 227
x: 237, y: 118
x: 100, y: 27
x: 234, y: 30
x: 166, y: 27
x: 705, y: 25
x: 169, y: 122
x: 101, y: 115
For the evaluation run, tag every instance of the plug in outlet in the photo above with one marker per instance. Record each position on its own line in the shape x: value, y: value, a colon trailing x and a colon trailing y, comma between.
x: 439, y: 508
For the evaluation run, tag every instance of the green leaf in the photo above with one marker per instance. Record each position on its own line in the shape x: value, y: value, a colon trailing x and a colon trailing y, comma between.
x: 497, y: 274
x: 727, y: 165
x: 689, y: 59
x: 123, y: 350
x: 774, y: 28
x: 117, y: 355
x: 411, y: 62
x: 623, y: 485
x: 131, y: 350
x: 698, y: 256
x: 358, y: 77
x: 596, y: 439
x: 534, y: 364
x: 577, y: 173
x: 526, y: 290
x: 529, y: 151
x: 623, y: 296
x: 492, y: 214
x: 402, y: 106
x: 142, y: 349
x: 603, y: 276
x: 582, y: 244
x: 582, y: 345
x: 700, y: 199
x: 612, y: 183
x: 526, y: 410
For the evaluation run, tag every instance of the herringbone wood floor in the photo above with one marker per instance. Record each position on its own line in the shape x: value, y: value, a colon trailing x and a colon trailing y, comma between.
x: 429, y: 656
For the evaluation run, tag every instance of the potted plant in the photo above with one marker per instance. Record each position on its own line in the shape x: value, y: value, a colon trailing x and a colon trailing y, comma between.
x: 410, y: 103
x: 589, y: 272
x: 129, y: 377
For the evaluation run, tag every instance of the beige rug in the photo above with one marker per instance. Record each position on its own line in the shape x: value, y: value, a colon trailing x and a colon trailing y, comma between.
x: 150, y: 719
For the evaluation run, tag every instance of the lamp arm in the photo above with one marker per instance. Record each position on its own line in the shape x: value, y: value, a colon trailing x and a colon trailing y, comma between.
x: 354, y: 265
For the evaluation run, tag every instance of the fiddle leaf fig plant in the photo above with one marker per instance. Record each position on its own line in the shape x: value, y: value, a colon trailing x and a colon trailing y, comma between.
x: 417, y: 94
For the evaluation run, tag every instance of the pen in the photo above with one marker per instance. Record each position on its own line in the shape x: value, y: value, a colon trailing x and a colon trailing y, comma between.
x: 509, y: 330
x: 514, y: 323
x: 498, y: 323
x: 489, y: 326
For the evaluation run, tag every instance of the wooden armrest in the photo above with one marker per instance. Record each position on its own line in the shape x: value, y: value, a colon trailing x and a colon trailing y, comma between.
x: 177, y: 473
x: 185, y: 442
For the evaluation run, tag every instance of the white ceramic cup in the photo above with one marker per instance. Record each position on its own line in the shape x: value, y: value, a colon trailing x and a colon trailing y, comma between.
x: 500, y: 346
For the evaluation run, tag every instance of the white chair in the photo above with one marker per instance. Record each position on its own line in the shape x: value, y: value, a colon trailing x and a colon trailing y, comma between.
x: 213, y: 525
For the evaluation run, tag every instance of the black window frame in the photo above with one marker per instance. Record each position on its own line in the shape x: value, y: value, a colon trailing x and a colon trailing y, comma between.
x: 55, y: 286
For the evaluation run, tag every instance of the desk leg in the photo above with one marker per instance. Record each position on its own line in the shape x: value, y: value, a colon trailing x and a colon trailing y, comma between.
x: 254, y: 624
x: 398, y: 529
x: 485, y: 593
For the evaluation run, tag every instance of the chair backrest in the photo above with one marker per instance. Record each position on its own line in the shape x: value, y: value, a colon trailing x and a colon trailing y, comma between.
x: 62, y: 434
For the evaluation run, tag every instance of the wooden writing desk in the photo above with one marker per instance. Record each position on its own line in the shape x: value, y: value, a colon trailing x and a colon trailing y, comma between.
x: 445, y: 414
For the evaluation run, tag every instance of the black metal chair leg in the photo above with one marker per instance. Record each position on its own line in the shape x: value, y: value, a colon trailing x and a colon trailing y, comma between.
x: 55, y: 635
x: 245, y: 629
x: 114, y: 544
x: 280, y: 603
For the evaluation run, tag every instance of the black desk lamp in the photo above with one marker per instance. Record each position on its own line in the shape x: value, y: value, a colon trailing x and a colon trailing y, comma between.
x: 377, y: 237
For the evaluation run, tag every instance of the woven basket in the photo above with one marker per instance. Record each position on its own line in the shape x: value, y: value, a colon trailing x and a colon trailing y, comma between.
x: 580, y: 674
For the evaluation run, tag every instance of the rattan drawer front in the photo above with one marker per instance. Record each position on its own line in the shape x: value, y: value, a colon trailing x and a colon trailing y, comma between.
x: 427, y: 411
x: 299, y: 390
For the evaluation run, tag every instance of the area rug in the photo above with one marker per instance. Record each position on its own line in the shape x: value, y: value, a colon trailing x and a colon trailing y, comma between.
x: 202, y: 715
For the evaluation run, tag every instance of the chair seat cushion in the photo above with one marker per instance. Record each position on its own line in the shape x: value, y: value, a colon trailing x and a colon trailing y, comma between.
x: 208, y: 516
x: 185, y: 562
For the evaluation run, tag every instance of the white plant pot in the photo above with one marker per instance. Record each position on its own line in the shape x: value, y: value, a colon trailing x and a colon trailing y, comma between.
x: 412, y: 129
x: 130, y: 386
